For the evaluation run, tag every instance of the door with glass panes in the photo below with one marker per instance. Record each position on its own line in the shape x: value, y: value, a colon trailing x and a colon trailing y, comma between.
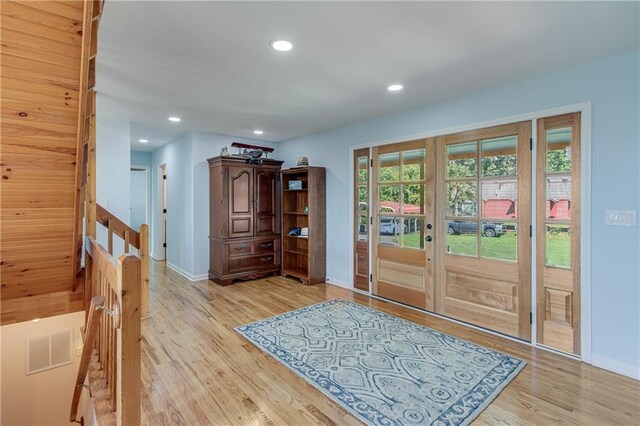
x: 361, y: 219
x: 483, y: 227
x: 403, y: 222
x: 558, y: 232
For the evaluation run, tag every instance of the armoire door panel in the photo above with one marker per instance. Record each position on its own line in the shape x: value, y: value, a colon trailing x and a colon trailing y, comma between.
x: 265, y: 202
x: 240, y: 201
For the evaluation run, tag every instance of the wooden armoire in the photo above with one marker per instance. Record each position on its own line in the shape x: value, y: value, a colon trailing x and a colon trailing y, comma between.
x: 244, y: 218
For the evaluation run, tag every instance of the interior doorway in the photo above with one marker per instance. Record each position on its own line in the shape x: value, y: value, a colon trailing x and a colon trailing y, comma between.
x: 162, y: 177
x: 140, y: 196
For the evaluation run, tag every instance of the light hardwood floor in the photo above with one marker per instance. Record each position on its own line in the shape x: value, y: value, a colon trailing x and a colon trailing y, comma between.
x: 198, y: 370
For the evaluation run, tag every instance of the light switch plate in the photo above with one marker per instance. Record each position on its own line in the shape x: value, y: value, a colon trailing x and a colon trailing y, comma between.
x: 620, y: 217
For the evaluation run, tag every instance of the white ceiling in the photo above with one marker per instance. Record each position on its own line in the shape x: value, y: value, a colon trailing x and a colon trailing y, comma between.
x: 211, y: 64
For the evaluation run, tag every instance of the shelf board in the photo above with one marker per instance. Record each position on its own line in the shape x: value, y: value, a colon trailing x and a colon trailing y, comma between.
x: 297, y: 213
x: 299, y: 238
x: 298, y: 251
x: 295, y: 190
x: 296, y: 272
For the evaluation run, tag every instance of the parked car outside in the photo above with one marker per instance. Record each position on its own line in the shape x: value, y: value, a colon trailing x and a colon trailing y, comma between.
x: 390, y: 226
x: 489, y: 229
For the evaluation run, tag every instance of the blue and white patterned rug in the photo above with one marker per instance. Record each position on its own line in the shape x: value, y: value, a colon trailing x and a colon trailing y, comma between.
x: 383, y: 369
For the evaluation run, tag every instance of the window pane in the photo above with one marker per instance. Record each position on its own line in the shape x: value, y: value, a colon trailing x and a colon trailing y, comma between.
x: 413, y: 199
x: 558, y: 197
x: 413, y: 165
x: 558, y: 246
x: 461, y: 160
x: 363, y: 198
x: 413, y: 230
x: 462, y: 199
x: 499, y: 241
x: 363, y: 169
x: 389, y: 167
x: 499, y: 198
x: 363, y: 224
x: 389, y: 229
x: 559, y: 150
x: 389, y: 199
x: 499, y: 156
x: 462, y: 237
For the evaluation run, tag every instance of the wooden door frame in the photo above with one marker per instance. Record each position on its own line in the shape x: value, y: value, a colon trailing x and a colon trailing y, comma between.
x: 585, y: 206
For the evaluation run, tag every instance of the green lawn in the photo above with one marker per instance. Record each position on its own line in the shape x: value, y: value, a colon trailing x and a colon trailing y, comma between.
x: 503, y: 248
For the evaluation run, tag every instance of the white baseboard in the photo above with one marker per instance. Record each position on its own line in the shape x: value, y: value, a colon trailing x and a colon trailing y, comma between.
x: 338, y: 283
x: 154, y: 257
x: 616, y: 366
x: 187, y: 275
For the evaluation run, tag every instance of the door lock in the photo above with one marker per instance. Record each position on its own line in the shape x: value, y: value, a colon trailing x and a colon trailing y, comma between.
x: 429, y: 226
x: 428, y: 238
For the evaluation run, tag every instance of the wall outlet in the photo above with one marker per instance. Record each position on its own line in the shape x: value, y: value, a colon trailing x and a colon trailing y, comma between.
x: 78, y: 351
x: 620, y: 217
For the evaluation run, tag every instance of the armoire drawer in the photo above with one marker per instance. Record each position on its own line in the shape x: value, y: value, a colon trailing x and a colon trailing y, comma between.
x: 263, y: 261
x: 264, y: 246
x: 240, y: 248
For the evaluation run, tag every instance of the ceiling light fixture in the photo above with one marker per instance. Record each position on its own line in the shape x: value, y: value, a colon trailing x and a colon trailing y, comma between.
x: 258, y: 132
x: 395, y: 87
x: 175, y: 119
x: 282, y: 45
x: 143, y: 140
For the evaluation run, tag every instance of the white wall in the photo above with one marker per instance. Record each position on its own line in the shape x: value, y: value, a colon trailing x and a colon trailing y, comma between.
x: 187, y: 198
x: 613, y: 87
x: 113, y: 153
x: 42, y: 398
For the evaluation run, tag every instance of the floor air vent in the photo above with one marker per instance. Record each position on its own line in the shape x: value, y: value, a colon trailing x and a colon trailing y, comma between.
x: 49, y: 351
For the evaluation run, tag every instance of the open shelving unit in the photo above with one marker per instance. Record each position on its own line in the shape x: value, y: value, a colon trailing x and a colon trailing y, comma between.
x: 304, y: 257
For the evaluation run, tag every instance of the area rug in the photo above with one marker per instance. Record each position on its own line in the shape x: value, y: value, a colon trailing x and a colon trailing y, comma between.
x: 383, y: 369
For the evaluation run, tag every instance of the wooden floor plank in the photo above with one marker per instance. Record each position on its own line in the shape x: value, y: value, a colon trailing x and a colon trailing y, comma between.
x: 198, y: 370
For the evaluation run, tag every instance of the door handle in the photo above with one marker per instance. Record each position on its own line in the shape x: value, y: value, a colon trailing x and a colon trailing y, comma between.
x: 428, y: 238
x: 429, y: 226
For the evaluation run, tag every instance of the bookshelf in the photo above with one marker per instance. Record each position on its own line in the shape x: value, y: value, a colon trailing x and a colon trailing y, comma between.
x: 304, y: 257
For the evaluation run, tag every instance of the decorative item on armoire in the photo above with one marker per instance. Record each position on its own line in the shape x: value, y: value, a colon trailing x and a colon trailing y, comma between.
x: 244, y: 224
x: 303, y: 162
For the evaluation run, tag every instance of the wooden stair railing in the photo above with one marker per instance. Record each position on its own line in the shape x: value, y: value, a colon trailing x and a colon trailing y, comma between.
x: 138, y: 240
x: 86, y: 136
x: 112, y: 350
x: 90, y: 334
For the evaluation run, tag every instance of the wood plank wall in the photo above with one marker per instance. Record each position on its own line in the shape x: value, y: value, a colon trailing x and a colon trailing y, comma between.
x: 40, y: 95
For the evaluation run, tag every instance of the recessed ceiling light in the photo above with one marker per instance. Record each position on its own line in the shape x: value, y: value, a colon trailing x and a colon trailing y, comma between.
x: 175, y: 119
x: 143, y: 140
x: 258, y: 132
x: 282, y: 45
x: 394, y: 87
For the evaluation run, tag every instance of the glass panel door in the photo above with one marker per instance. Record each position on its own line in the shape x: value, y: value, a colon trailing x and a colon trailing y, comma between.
x: 361, y: 169
x: 484, y: 265
x: 403, y: 219
x: 558, y: 287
